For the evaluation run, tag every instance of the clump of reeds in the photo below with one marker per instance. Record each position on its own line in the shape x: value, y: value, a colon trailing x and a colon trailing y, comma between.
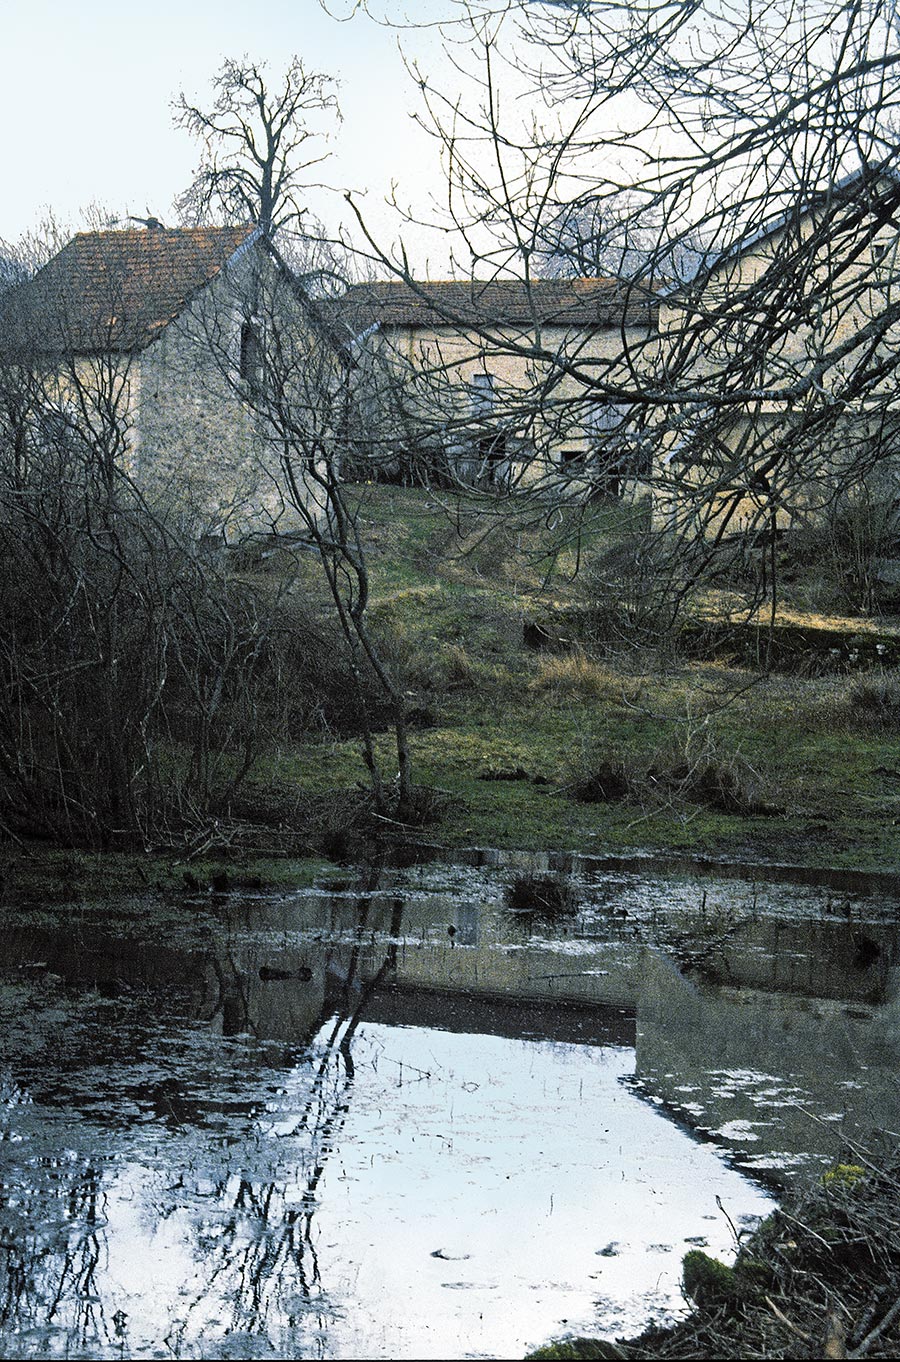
x: 544, y: 896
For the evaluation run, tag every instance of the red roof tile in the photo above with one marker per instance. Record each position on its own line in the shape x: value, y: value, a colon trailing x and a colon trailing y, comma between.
x: 114, y: 291
x: 506, y: 302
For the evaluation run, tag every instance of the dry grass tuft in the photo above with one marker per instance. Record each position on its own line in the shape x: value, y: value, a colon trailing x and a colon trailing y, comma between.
x: 577, y: 675
x: 876, y: 699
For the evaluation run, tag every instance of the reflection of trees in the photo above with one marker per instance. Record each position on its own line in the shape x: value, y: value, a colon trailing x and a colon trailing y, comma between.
x: 52, y: 1244
x: 261, y: 1257
x: 243, y: 1202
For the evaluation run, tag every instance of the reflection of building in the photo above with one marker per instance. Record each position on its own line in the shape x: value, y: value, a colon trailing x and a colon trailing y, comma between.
x: 819, y: 959
x: 781, y: 1080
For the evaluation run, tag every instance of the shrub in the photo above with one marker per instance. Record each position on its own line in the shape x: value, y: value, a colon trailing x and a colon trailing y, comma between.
x: 140, y: 678
x: 700, y: 769
x: 635, y: 592
x: 876, y: 699
x: 836, y: 563
x: 604, y: 782
x: 729, y: 785
x: 547, y: 896
x: 861, y: 530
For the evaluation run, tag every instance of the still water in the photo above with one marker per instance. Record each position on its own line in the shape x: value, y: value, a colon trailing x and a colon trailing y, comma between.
x: 387, y: 1118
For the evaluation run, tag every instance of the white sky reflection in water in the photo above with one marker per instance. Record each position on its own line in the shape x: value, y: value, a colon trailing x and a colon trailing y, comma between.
x: 517, y: 1161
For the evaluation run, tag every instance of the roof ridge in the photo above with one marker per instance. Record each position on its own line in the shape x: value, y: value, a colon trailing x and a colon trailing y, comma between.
x: 118, y: 289
x: 151, y: 232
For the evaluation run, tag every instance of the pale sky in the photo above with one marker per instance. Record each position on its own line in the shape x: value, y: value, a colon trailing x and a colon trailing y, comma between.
x: 85, y: 102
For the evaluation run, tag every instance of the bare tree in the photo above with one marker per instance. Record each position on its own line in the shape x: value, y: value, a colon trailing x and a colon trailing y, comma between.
x: 259, y: 143
x: 615, y: 236
x: 297, y: 359
x: 766, y: 136
x: 301, y: 390
x: 134, y: 666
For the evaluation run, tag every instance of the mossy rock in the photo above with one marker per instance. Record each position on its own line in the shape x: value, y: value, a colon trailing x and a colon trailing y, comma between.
x: 707, y: 1281
x: 580, y: 1348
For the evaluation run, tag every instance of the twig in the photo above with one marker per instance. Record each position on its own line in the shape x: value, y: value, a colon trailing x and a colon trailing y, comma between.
x: 731, y: 1224
x: 784, y: 1319
x: 874, y: 1334
x: 8, y: 832
x: 793, y: 1219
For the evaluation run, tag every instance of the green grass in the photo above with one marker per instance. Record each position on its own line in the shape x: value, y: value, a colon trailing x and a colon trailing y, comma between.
x: 452, y: 588
x: 833, y: 807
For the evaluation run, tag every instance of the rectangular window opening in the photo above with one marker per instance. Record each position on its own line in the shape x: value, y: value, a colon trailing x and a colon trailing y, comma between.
x: 251, y: 356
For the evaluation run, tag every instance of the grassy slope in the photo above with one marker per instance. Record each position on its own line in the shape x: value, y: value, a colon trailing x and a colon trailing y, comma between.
x: 451, y: 592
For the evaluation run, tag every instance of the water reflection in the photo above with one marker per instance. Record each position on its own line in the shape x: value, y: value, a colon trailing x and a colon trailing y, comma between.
x: 783, y: 1081
x: 391, y: 1121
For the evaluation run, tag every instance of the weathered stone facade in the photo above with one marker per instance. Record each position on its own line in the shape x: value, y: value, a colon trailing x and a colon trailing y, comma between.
x: 154, y: 329
x: 196, y: 442
x: 525, y: 396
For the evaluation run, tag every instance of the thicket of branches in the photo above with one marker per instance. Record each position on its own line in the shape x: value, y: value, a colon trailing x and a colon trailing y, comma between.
x: 142, y: 674
x: 142, y: 669
x: 674, y: 146
x: 114, y: 633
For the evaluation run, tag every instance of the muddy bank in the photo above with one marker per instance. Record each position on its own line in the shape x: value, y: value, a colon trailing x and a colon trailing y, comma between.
x: 817, y: 1279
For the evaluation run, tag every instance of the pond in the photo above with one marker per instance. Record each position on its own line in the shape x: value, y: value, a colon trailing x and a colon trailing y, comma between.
x: 386, y: 1117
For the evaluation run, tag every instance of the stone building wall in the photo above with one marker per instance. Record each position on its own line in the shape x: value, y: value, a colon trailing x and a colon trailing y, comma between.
x: 553, y: 425
x: 199, y: 442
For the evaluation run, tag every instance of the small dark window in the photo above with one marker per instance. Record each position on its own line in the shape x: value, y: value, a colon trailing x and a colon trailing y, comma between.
x: 251, y: 357
x: 493, y: 447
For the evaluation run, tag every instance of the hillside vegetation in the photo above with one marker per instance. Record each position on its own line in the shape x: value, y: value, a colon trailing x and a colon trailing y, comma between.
x: 554, y: 706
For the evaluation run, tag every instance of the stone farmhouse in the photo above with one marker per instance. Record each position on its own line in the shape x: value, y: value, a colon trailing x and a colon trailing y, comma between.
x: 160, y: 328
x: 504, y: 382
x: 779, y: 358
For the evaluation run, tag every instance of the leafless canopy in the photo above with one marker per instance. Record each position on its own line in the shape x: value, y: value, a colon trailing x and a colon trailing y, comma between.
x: 259, y: 142
x: 739, y: 163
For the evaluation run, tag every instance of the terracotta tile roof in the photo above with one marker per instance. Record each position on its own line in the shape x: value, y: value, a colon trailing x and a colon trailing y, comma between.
x: 507, y: 302
x: 114, y: 291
